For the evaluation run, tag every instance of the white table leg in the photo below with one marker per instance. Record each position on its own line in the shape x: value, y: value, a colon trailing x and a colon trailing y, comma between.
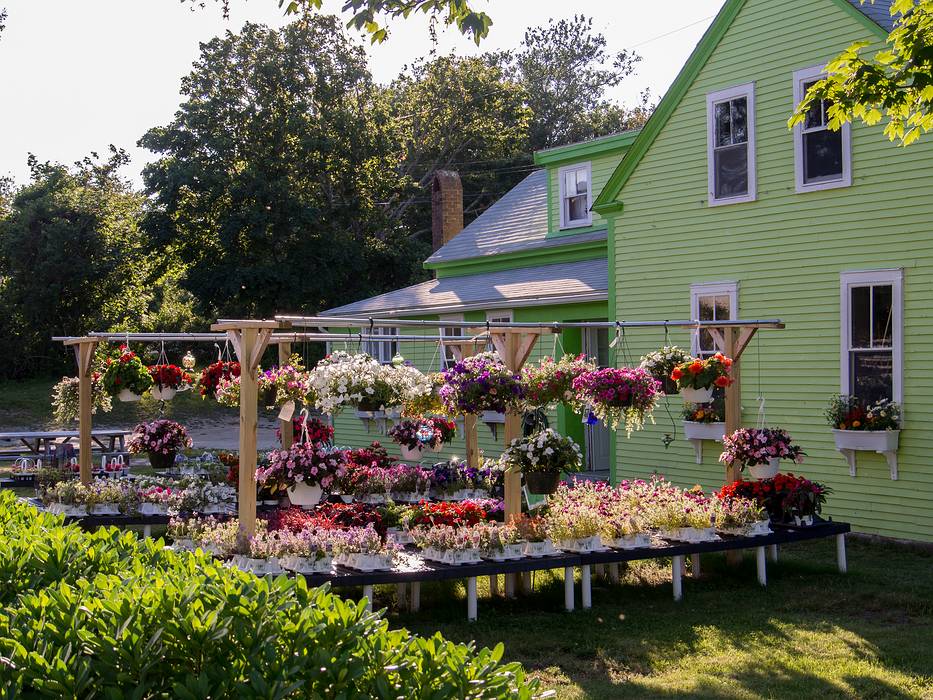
x: 494, y: 586
x: 526, y: 582
x: 695, y: 565
x: 147, y: 530
x: 401, y: 594
x: 568, y: 588
x: 677, y: 570
x: 510, y: 585
x: 841, y: 553
x: 772, y: 549
x: 471, y: 598
x: 586, y: 589
x: 762, y: 565
x: 614, y: 573
x: 415, y: 596
x: 368, y: 595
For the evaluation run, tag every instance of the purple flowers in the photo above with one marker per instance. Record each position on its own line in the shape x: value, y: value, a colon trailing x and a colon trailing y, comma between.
x: 479, y: 383
x: 612, y: 394
x: 161, y: 436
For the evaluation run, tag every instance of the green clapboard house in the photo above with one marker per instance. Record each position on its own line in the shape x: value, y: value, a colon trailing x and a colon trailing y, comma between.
x: 538, y: 254
x: 718, y: 210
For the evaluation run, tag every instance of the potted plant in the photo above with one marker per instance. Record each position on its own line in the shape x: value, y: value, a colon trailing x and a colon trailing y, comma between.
x: 549, y: 383
x: 154, y: 500
x: 362, y: 549
x: 500, y: 542
x: 67, y: 497
x: 533, y: 530
x: 542, y: 457
x: 446, y: 544
x: 480, y: 383
x: 262, y: 556
x: 623, y: 528
x: 412, y: 436
x: 303, y: 470
x: 858, y: 426
x: 661, y: 363
x: 342, y: 380
x: 279, y: 385
x: 615, y: 394
x: 305, y: 551
x: 696, y: 378
x: 167, y: 380
x: 161, y: 440
x: 444, y: 432
x: 803, y: 500
x: 573, y: 522
x: 410, y: 484
x: 705, y: 421
x: 318, y: 431
x: 213, y: 373
x: 760, y: 450
x: 216, y: 537
x: 741, y: 517
x: 66, y: 399
x: 125, y: 376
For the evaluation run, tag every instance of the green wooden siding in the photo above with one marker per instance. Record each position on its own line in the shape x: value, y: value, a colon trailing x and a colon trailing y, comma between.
x: 602, y: 167
x: 786, y: 251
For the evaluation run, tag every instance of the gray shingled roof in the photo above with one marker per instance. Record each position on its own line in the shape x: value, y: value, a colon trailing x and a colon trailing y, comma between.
x: 586, y: 280
x: 518, y: 221
x: 878, y: 11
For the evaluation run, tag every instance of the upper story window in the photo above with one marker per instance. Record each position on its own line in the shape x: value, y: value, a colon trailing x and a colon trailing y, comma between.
x: 383, y: 350
x: 714, y: 301
x: 822, y: 158
x: 730, y: 116
x: 575, y: 195
x: 448, y: 357
x: 871, y: 304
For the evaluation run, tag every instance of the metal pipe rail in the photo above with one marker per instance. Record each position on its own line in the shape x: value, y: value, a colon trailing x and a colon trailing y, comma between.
x: 273, y: 340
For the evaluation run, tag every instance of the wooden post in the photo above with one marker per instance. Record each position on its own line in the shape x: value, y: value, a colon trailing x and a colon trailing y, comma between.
x: 84, y: 355
x: 285, y: 426
x: 733, y: 397
x: 472, y: 441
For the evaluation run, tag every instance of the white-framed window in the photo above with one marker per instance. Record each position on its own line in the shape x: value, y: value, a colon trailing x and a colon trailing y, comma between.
x: 730, y: 117
x: 871, y: 311
x: 382, y: 350
x: 822, y: 158
x: 447, y: 357
x: 712, y: 301
x: 500, y: 316
x: 576, y: 195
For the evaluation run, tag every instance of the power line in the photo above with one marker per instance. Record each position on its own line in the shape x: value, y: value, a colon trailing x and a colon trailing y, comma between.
x: 673, y: 31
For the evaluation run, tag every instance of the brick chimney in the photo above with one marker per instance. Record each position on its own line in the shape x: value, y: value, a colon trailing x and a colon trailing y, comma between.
x: 446, y: 207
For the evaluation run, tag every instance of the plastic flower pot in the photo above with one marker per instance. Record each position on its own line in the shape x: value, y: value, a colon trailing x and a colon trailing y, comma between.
x: 580, y: 545
x: 306, y: 565
x: 161, y: 461
x: 803, y: 520
x: 542, y: 482
x: 305, y: 495
x: 410, y: 454
x: 638, y: 541
x: 669, y: 386
x: 765, y: 471
x: 128, y: 396
x: 704, y: 431
x: 690, y: 395
x: 153, y: 509
x: 163, y: 394
x: 871, y: 440
x: 544, y: 548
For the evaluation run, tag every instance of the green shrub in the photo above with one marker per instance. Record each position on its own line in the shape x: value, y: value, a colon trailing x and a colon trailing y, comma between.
x: 107, y: 615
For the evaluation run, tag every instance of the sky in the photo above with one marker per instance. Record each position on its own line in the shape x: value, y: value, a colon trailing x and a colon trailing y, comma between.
x: 78, y: 76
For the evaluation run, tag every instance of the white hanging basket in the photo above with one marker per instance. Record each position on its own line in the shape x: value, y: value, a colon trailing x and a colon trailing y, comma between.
x: 163, y: 394
x: 305, y: 495
x: 766, y: 471
x: 697, y: 395
x: 128, y: 396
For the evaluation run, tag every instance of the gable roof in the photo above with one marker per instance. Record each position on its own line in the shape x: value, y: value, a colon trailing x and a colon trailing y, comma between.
x: 878, y: 12
x: 573, y: 282
x: 870, y: 14
x: 517, y: 221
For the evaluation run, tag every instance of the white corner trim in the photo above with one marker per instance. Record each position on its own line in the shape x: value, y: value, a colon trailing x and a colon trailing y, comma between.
x: 577, y: 223
x: 801, y: 76
x: 747, y: 90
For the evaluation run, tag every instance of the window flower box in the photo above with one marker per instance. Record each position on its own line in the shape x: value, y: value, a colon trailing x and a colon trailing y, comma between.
x: 884, y: 442
x: 696, y: 433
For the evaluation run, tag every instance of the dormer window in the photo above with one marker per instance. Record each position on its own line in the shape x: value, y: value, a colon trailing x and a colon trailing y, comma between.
x: 575, y: 195
x: 822, y: 158
x: 730, y: 116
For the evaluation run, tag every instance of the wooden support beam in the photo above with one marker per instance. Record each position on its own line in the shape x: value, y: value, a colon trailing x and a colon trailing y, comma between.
x: 733, y: 396
x: 84, y: 356
x: 247, y: 342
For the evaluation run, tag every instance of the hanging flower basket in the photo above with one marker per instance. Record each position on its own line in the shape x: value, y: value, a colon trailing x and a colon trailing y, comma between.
x: 160, y: 460
x: 542, y: 482
x: 480, y: 383
x: 696, y: 378
x: 125, y: 376
x: 662, y: 362
x: 690, y: 395
x: 549, y: 383
x: 541, y: 458
x: 616, y: 394
x: 167, y: 380
x: 305, y: 495
x: 66, y: 399
x: 161, y: 440
x: 760, y: 447
x: 765, y: 471
x: 213, y: 373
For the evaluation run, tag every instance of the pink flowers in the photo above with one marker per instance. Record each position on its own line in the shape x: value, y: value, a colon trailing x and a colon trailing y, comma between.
x: 616, y: 393
x: 161, y: 436
x: 305, y: 462
x: 753, y: 446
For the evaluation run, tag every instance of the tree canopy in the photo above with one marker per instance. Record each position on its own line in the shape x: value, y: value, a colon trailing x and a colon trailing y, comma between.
x: 896, y: 82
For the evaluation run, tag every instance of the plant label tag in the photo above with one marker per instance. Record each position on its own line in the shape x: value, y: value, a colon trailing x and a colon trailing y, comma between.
x: 287, y: 411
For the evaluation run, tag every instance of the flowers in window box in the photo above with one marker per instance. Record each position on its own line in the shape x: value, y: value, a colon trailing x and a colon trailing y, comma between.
x: 66, y: 398
x: 304, y: 462
x: 169, y: 377
x: 126, y: 373
x: 213, y: 373
x: 617, y: 394
x: 479, y: 383
x: 161, y: 439
x: 695, y: 373
x: 714, y: 412
x: 851, y: 413
x: 749, y: 447
x: 550, y: 382
x: 661, y: 363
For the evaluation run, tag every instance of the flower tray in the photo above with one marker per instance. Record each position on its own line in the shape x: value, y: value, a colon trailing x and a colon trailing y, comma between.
x: 67, y: 510
x: 639, y: 541
x: 306, y: 565
x: 373, y: 499
x: 105, y: 509
x: 260, y: 567
x: 451, y: 557
x: 690, y: 534
x: 580, y: 545
x: 539, y: 549
x: 402, y: 537
x: 509, y: 552
x: 367, y: 562
x: 217, y: 509
x: 409, y: 497
x: 153, y: 509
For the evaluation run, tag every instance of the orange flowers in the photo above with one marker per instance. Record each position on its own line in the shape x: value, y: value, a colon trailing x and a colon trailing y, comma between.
x: 695, y: 367
x: 676, y: 374
x: 722, y: 382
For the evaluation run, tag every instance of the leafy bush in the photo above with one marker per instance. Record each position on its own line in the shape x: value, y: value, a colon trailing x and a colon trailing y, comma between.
x: 97, y: 614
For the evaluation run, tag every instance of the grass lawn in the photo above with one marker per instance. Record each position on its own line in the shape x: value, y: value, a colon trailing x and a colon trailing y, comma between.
x: 813, y: 633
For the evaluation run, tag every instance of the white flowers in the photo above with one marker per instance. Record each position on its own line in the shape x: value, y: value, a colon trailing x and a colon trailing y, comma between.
x: 341, y: 380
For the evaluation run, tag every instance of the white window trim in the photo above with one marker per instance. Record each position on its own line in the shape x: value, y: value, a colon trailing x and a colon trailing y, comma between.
x: 500, y: 314
x: 443, y: 353
x: 374, y: 348
x: 748, y: 91
x: 800, y: 77
x: 576, y: 223
x: 894, y: 277
x: 707, y: 289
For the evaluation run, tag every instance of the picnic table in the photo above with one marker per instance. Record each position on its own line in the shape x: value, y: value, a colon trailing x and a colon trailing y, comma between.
x: 40, y: 442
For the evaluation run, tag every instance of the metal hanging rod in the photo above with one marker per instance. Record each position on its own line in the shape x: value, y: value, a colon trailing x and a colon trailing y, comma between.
x: 274, y: 339
x: 555, y: 327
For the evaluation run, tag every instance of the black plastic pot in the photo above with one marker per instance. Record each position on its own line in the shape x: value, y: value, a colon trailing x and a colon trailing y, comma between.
x: 542, y: 482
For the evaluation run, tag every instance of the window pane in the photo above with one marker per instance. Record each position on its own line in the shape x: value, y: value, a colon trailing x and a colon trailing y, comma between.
x: 872, y: 375
x: 570, y: 182
x: 882, y: 316
x: 860, y: 312
x: 582, y: 184
x: 815, y: 115
x: 739, y: 113
x: 723, y: 126
x: 576, y: 208
x: 721, y: 308
x: 822, y: 155
x: 731, y: 171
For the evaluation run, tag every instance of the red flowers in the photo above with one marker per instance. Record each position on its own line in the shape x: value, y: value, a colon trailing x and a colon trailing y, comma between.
x: 722, y: 382
x: 447, y: 513
x: 676, y: 374
x: 169, y: 376
x: 695, y: 367
x: 211, y: 375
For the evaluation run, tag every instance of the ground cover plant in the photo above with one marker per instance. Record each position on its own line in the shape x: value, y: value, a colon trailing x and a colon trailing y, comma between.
x: 96, y: 614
